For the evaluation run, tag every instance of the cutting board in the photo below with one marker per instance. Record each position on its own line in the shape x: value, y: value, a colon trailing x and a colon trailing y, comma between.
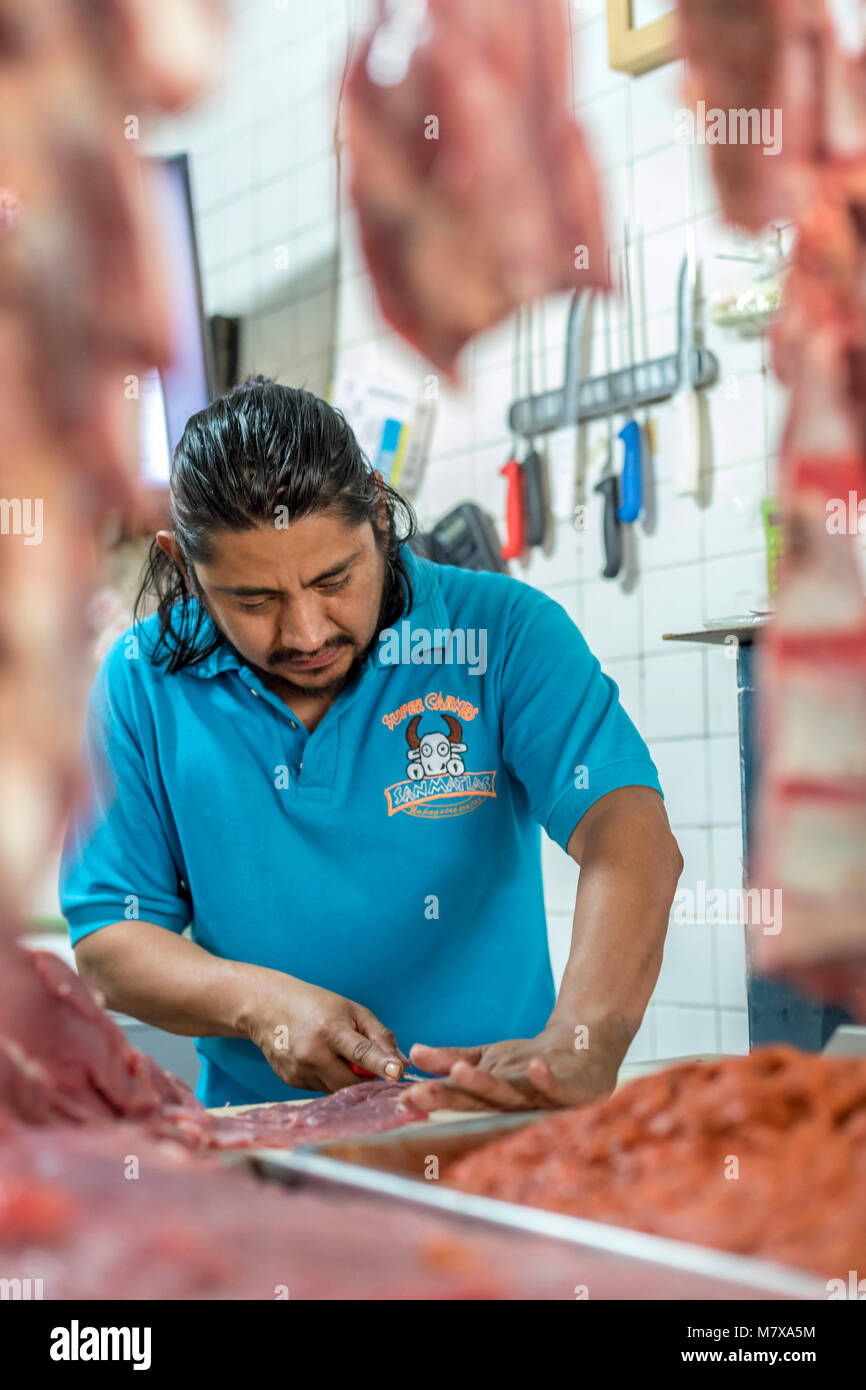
x: 629, y: 1071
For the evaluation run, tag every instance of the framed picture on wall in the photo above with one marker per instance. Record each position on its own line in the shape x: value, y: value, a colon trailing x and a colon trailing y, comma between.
x: 641, y: 34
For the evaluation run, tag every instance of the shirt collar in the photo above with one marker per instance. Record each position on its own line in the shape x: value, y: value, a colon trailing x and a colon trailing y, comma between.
x: 425, y: 615
x: 428, y: 606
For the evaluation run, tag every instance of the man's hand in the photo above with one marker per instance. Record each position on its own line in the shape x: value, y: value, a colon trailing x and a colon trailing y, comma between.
x: 519, y: 1074
x: 310, y: 1035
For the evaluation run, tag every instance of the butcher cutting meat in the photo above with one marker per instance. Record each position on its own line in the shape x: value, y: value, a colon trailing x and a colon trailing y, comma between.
x: 352, y: 840
x: 311, y: 838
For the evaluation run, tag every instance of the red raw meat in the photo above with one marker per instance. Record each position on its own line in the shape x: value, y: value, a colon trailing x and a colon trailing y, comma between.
x: 368, y: 1108
x: 83, y: 316
x: 657, y: 1156
x: 810, y: 809
x: 159, y: 64
x: 63, y: 1059
x: 765, y: 56
x: 183, y: 1227
x: 811, y: 803
x: 460, y: 229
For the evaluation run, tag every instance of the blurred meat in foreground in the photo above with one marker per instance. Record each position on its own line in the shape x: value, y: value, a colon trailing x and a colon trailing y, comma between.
x: 763, y: 1155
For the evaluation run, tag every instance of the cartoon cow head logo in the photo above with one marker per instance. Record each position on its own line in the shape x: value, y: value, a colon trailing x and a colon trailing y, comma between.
x: 432, y: 755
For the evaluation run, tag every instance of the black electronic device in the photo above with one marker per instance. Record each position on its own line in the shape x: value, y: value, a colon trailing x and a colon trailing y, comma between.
x: 465, y: 537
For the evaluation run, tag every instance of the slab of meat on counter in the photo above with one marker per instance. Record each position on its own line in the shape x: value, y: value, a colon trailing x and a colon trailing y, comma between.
x: 108, y: 1213
x: 63, y: 1059
x: 368, y: 1108
x: 762, y: 1155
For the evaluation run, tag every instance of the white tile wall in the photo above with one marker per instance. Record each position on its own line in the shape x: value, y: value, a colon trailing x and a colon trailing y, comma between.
x: 264, y: 177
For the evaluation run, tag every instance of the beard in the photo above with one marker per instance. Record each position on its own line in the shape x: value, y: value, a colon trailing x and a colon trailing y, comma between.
x: 331, y: 687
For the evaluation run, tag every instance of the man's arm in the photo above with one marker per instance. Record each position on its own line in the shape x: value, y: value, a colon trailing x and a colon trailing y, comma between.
x: 167, y: 980
x: 629, y: 867
x: 308, y: 1035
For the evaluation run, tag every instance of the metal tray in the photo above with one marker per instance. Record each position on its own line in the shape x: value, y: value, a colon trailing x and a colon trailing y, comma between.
x: 615, y: 1262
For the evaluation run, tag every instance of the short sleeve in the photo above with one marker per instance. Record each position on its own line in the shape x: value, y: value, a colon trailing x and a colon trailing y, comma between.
x: 117, y: 862
x: 565, y: 735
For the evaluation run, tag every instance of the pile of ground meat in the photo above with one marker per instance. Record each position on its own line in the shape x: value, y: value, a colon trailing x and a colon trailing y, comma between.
x: 763, y: 1155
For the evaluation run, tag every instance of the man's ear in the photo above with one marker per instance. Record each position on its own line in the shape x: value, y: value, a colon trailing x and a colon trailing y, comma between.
x: 381, y: 502
x: 168, y: 545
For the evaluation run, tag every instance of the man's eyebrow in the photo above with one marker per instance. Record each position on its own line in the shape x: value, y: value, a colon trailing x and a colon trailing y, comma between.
x: 335, y: 569
x: 242, y: 591
x: 248, y: 591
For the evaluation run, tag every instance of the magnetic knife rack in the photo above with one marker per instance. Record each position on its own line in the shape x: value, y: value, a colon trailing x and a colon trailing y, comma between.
x: 619, y: 392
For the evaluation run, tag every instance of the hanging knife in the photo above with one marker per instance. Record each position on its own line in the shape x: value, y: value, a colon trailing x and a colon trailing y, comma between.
x: 631, y: 485
x: 608, y: 487
x: 687, y: 420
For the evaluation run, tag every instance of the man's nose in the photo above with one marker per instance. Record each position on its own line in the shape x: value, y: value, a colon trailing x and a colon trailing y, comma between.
x: 305, y: 627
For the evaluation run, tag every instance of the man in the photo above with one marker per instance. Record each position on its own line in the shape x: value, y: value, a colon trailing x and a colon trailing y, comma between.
x: 330, y: 759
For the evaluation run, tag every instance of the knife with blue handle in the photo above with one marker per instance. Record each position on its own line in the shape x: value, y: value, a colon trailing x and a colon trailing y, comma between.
x: 631, y: 483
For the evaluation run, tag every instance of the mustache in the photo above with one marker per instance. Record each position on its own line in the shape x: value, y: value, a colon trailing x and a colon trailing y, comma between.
x: 292, y: 653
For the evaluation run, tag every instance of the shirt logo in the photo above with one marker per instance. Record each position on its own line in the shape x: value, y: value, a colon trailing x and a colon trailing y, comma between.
x: 437, y: 782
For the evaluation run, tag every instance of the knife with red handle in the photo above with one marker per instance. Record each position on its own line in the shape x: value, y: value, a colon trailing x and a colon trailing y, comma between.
x: 405, y: 1076
x: 515, y: 513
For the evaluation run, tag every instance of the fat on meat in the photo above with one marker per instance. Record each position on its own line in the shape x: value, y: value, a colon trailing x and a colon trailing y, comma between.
x: 463, y: 220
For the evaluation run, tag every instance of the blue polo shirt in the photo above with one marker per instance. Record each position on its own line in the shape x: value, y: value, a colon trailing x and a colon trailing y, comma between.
x: 392, y: 855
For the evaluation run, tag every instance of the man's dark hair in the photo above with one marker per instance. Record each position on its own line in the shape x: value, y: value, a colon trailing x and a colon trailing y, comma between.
x: 260, y: 447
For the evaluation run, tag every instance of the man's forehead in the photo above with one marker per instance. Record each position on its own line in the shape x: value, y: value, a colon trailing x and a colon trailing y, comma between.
x: 266, y: 559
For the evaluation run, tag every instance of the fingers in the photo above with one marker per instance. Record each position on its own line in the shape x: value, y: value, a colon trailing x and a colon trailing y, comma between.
x: 440, y: 1095
x: 544, y: 1081
x: 493, y: 1091
x: 440, y: 1060
x: 579, y: 1090
x: 368, y: 1024
x: 366, y: 1052
x: 468, y: 1088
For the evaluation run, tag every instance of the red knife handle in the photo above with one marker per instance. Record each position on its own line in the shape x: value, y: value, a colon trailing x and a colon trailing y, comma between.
x: 514, y: 511
x: 361, y: 1071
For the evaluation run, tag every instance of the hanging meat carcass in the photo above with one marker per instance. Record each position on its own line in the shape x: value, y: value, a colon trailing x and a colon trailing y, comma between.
x: 474, y: 188
x: 759, y: 63
x: 812, y: 802
x: 83, y: 316
x: 784, y: 57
